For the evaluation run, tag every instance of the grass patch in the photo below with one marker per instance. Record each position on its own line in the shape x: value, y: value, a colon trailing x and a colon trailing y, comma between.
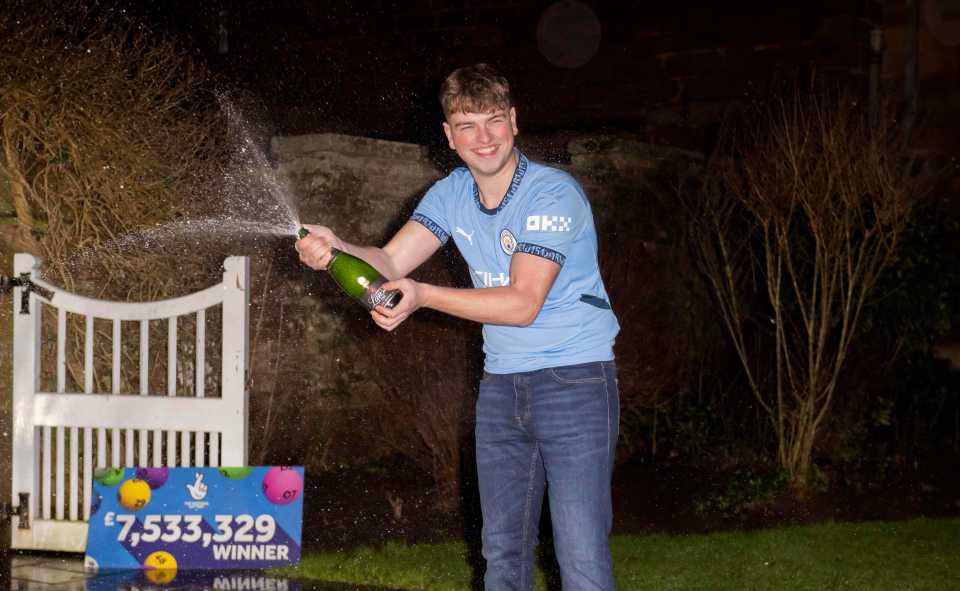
x: 907, y: 555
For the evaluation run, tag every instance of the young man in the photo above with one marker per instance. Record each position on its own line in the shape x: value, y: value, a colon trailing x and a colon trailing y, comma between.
x: 548, y: 407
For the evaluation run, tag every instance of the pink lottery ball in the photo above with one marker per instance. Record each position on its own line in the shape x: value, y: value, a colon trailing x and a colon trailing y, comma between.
x: 282, y: 485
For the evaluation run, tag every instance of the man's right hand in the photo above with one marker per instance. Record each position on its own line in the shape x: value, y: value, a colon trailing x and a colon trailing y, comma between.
x: 315, y: 248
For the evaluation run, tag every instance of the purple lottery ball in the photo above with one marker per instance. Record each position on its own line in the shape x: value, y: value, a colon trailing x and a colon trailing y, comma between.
x: 155, y: 477
x: 282, y: 485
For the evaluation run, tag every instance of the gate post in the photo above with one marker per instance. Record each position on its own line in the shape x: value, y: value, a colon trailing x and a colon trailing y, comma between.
x: 26, y: 374
x: 236, y: 315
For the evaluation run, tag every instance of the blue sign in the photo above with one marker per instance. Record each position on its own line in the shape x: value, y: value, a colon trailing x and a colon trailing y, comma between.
x: 170, y: 519
x: 191, y: 580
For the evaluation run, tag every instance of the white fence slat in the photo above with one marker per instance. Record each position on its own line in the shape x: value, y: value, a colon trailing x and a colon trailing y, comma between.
x: 71, y: 302
x: 107, y: 411
x: 235, y: 358
x: 143, y: 446
x: 144, y: 357
x: 172, y: 356
x: 185, y: 448
x: 115, y: 448
x: 61, y: 469
x: 199, y: 450
x: 101, y: 447
x: 145, y: 390
x: 46, y: 472
x: 88, y: 356
x: 171, y: 449
x: 27, y: 331
x: 37, y: 475
x: 87, y: 470
x: 61, y: 350
x: 115, y: 389
x: 74, y: 473
x: 115, y: 366
x: 172, y: 385
x: 200, y: 370
x: 128, y: 448
x: 157, y: 449
x: 215, y: 449
x: 200, y: 380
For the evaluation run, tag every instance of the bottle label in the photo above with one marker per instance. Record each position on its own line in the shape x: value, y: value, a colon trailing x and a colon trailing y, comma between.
x: 381, y: 297
x: 377, y: 296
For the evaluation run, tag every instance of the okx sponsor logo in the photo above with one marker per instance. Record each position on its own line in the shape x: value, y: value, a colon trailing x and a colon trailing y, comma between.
x: 549, y: 223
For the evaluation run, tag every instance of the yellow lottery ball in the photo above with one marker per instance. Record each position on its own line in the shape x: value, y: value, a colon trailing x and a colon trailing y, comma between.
x: 160, y: 567
x: 134, y: 494
x: 161, y: 576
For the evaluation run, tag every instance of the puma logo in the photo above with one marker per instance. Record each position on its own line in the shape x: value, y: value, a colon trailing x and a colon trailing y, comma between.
x: 463, y: 233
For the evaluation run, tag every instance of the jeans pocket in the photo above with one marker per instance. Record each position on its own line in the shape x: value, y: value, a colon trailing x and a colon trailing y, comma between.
x: 587, y: 373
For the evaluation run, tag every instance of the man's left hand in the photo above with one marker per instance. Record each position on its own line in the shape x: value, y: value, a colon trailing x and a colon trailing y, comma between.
x: 389, y: 319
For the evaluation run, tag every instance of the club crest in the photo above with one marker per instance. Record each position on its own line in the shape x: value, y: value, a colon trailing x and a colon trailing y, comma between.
x: 507, y: 241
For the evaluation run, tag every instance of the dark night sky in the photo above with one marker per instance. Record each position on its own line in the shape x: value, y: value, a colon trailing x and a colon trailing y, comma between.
x: 373, y: 67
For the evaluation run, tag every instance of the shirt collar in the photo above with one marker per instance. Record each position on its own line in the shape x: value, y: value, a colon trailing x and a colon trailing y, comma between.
x: 514, y: 185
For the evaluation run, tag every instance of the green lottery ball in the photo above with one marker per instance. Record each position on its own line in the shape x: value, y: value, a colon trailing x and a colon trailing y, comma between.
x: 108, y: 476
x: 236, y: 472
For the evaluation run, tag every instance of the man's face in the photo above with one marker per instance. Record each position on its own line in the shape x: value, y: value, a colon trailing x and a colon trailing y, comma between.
x: 484, y: 141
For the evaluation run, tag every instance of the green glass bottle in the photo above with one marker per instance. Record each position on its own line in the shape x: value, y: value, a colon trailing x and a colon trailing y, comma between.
x: 359, y: 279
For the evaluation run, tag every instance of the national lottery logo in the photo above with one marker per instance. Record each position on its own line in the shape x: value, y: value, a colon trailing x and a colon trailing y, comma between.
x: 198, y: 492
x: 508, y: 242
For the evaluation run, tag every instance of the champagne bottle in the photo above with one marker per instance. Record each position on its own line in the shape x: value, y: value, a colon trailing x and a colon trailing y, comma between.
x: 359, y: 279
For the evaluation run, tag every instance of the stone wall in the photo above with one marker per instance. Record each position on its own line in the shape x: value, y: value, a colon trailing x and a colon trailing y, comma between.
x: 365, y: 189
x: 358, y: 186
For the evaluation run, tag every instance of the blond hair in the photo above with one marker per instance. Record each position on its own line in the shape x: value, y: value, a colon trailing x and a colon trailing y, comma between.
x: 474, y: 89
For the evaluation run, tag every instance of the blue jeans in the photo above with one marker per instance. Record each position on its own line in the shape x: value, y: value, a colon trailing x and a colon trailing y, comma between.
x: 553, y: 429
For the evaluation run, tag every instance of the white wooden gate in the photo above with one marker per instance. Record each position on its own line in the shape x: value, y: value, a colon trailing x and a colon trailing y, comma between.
x: 60, y: 436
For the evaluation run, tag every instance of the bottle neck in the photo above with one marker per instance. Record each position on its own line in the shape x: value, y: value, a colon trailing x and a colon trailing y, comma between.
x: 334, y: 253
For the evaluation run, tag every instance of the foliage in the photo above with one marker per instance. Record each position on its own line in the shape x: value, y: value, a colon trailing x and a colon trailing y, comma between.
x: 744, y: 490
x: 799, y: 210
x: 426, y: 378
x: 110, y: 134
x: 106, y: 127
x: 648, y: 348
x: 917, y: 302
x: 665, y: 328
x: 904, y: 406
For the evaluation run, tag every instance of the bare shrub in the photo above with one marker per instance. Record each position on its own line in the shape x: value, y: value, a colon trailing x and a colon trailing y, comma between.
x: 424, y: 371
x: 651, y: 345
x: 106, y: 127
x: 800, y: 209
x: 109, y: 132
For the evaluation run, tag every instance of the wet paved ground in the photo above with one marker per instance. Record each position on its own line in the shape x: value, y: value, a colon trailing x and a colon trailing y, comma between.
x: 46, y: 572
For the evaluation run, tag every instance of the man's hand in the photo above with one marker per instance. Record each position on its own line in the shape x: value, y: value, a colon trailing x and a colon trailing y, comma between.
x: 413, y: 299
x: 315, y: 247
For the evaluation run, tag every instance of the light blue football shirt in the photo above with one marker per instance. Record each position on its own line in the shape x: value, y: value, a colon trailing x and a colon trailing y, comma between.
x: 545, y: 213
